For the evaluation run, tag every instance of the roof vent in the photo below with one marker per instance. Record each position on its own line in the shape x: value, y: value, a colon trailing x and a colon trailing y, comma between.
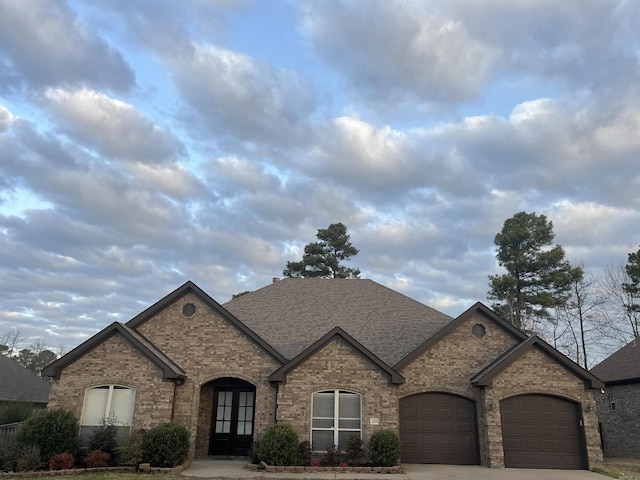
x: 275, y: 279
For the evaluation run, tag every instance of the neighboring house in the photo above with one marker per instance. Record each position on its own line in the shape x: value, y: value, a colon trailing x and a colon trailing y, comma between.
x: 618, y: 405
x: 19, y: 384
x: 335, y: 358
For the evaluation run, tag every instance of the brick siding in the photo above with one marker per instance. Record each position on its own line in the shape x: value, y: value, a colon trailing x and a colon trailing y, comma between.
x: 620, y: 427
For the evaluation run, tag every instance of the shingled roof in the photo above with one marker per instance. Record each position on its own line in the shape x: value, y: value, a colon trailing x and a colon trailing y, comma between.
x: 18, y: 383
x: 293, y: 313
x: 621, y: 367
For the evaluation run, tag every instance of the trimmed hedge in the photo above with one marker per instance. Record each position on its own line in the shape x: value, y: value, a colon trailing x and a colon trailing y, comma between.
x: 52, y: 430
x: 384, y: 448
x: 279, y: 445
x: 166, y: 445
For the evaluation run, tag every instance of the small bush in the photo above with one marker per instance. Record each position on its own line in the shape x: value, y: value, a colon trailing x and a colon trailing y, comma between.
x: 354, y: 450
x: 279, y: 445
x: 132, y: 453
x: 52, y: 431
x: 331, y: 456
x: 304, y: 453
x: 61, y: 461
x: 15, y: 412
x: 29, y: 459
x: 384, y: 448
x: 97, y: 458
x: 103, y: 438
x: 166, y: 445
x: 8, y: 453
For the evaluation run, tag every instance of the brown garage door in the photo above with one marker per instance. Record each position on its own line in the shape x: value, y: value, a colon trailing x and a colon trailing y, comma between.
x: 438, y: 428
x: 540, y: 431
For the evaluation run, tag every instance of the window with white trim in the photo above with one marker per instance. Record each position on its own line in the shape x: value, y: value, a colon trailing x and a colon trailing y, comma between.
x: 111, y: 404
x: 337, y: 415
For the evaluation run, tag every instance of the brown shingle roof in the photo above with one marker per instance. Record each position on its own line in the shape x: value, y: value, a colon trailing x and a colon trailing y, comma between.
x: 293, y: 313
x: 622, y: 366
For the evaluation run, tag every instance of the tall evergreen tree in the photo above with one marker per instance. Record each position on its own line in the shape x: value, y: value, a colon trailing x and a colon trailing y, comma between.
x: 323, y: 259
x: 538, y: 277
x: 632, y: 288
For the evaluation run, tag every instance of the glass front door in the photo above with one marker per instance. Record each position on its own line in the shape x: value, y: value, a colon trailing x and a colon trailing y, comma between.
x: 232, y: 420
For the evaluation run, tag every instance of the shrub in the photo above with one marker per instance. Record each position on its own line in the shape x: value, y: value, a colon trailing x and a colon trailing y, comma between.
x: 304, y: 453
x: 279, y: 445
x: 15, y: 412
x: 354, y: 450
x: 166, y: 445
x: 331, y: 457
x: 97, y: 458
x: 384, y: 448
x: 61, y: 461
x: 132, y: 453
x: 8, y: 453
x: 29, y: 459
x: 103, y: 438
x: 52, y: 431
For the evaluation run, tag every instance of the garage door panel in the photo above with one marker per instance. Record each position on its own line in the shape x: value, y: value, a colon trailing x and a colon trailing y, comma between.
x: 447, y: 431
x: 542, y: 431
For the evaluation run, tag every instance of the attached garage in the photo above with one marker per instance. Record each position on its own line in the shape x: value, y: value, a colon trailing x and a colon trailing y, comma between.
x: 540, y: 431
x: 438, y: 428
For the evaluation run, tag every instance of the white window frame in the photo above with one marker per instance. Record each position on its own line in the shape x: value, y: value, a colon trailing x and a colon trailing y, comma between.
x: 336, y: 417
x: 114, y: 420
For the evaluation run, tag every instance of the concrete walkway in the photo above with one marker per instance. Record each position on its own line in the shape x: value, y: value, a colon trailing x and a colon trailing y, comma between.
x: 205, y: 468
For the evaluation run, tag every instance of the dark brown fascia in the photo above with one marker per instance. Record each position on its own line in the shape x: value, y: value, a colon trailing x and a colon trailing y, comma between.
x: 485, y: 377
x: 170, y: 371
x: 451, y: 326
x: 215, y: 306
x: 624, y: 381
x: 280, y: 375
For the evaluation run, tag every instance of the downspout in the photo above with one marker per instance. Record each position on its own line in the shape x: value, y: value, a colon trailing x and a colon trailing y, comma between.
x: 176, y: 384
x: 275, y: 408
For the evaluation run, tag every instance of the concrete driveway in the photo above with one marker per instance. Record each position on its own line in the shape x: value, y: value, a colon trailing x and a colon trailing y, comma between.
x: 205, y: 468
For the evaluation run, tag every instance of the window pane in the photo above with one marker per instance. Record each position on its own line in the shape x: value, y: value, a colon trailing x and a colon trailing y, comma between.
x: 242, y: 399
x: 322, y: 423
x: 321, y: 439
x: 122, y: 405
x: 349, y: 424
x: 95, y: 405
x: 349, y: 405
x: 323, y: 404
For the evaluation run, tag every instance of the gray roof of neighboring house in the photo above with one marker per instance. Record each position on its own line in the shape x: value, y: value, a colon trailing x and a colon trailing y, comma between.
x: 293, y: 313
x: 18, y: 383
x: 621, y: 367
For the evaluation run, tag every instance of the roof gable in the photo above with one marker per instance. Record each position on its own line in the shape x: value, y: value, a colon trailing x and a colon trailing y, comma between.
x: 280, y: 374
x: 292, y: 312
x: 451, y: 326
x: 622, y: 366
x: 189, y: 286
x: 485, y: 376
x: 19, y: 384
x: 170, y: 370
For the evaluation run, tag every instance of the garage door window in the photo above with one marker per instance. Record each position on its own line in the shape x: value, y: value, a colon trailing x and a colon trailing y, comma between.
x: 337, y: 415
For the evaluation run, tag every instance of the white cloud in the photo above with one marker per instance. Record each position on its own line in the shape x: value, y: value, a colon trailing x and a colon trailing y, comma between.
x: 116, y: 129
x: 6, y: 119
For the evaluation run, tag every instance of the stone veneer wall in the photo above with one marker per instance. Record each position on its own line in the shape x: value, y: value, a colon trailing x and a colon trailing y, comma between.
x: 536, y: 373
x: 620, y: 428
x: 338, y: 366
x: 116, y: 362
x: 208, y: 347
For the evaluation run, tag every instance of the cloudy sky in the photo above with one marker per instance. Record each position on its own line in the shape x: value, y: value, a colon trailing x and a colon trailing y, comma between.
x: 144, y: 144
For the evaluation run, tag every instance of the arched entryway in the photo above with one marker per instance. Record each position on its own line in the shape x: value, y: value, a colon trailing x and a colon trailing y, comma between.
x: 542, y: 431
x: 438, y: 428
x: 232, y: 417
